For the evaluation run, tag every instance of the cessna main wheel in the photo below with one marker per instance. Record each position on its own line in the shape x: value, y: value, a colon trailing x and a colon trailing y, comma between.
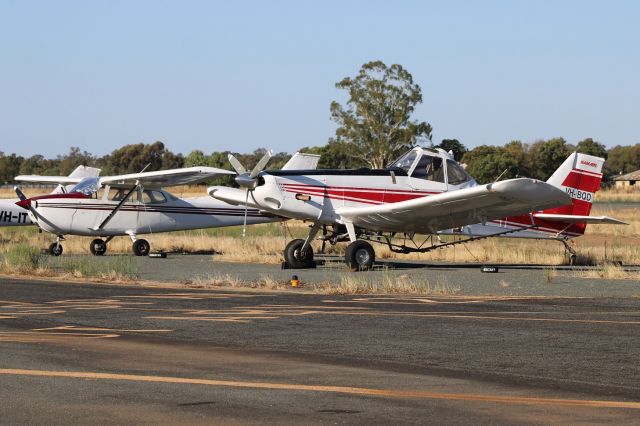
x: 359, y: 256
x: 55, y: 249
x: 98, y: 247
x: 141, y: 248
x: 294, y: 256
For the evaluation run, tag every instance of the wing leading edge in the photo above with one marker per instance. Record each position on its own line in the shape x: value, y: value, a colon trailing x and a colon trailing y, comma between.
x: 163, y: 178
x: 458, y: 208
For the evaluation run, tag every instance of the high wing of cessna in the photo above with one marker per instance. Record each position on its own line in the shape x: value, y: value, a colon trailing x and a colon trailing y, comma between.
x: 13, y: 215
x: 423, y: 192
x: 135, y: 204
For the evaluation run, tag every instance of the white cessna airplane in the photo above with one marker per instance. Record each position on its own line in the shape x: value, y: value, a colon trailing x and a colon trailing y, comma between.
x: 424, y: 192
x: 135, y: 204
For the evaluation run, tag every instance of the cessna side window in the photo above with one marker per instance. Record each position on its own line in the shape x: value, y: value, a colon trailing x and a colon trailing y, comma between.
x: 405, y: 162
x: 456, y: 174
x: 429, y: 168
x: 153, y: 197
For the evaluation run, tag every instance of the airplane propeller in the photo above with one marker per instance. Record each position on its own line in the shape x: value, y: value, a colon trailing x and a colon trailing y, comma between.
x: 248, y: 180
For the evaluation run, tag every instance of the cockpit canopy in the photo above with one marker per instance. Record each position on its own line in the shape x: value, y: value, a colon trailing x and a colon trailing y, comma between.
x: 431, y: 164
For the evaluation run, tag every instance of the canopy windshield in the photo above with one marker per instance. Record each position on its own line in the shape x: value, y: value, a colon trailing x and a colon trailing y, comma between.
x: 87, y: 186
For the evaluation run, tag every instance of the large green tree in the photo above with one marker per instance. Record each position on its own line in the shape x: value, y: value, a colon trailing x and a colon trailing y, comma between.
x: 591, y: 147
x: 544, y: 157
x: 377, y: 120
x: 486, y: 163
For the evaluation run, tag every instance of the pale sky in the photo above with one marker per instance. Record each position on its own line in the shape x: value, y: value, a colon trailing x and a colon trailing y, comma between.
x: 241, y: 75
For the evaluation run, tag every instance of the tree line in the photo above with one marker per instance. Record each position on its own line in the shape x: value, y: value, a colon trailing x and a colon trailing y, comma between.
x: 374, y: 127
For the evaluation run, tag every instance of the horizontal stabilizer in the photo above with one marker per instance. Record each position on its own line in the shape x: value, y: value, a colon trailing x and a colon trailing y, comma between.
x: 579, y: 219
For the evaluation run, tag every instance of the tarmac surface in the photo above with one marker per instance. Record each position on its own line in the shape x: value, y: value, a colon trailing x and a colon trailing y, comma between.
x: 89, y: 353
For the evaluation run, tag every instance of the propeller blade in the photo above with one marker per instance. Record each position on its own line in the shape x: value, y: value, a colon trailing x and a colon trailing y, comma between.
x: 239, y: 168
x: 261, y: 165
x: 246, y: 207
x: 19, y: 193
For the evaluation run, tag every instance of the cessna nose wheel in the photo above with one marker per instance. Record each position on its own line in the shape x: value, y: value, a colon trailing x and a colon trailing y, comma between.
x: 295, y: 257
x: 55, y: 249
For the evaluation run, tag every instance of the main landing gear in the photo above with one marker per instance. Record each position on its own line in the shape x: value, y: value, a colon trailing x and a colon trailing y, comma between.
x: 298, y: 254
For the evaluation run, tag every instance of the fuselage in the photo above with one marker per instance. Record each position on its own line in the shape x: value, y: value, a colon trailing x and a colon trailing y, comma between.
x: 150, y: 212
x: 12, y: 215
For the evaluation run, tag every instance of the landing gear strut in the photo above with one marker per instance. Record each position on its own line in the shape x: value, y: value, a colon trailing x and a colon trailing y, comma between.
x: 571, y: 252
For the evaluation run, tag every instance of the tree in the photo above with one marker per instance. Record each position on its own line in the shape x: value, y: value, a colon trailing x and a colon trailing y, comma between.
x: 9, y: 167
x: 544, y: 157
x: 486, y: 163
x: 454, y: 146
x: 336, y: 155
x: 623, y: 159
x: 73, y: 159
x: 134, y: 158
x: 591, y: 147
x: 377, y: 120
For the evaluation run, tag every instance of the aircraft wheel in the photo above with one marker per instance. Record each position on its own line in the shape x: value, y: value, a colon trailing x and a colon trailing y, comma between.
x: 295, y: 258
x: 359, y: 256
x: 98, y: 247
x: 55, y: 249
x: 141, y: 248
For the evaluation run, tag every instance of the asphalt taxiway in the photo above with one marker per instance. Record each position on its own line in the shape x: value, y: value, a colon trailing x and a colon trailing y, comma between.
x: 89, y: 353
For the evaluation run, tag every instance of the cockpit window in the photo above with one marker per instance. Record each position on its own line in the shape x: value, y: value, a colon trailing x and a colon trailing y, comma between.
x: 153, y: 197
x: 405, y: 162
x: 456, y: 174
x: 429, y: 168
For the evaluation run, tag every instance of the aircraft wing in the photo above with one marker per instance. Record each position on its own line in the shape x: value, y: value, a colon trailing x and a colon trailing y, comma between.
x: 579, y: 219
x: 163, y: 178
x: 62, y: 180
x: 458, y: 208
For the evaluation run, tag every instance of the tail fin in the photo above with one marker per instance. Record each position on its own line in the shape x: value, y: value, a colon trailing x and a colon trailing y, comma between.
x: 580, y: 176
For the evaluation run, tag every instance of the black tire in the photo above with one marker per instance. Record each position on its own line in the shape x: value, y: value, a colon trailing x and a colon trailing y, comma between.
x: 55, y: 249
x: 141, y: 248
x: 295, y: 258
x: 98, y: 247
x: 359, y: 256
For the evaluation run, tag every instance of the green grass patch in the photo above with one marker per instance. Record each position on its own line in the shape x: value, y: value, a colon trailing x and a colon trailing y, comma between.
x: 22, y: 258
x: 120, y: 267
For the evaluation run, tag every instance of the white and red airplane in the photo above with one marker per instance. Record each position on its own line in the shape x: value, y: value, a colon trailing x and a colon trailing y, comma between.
x: 424, y: 192
x: 135, y: 204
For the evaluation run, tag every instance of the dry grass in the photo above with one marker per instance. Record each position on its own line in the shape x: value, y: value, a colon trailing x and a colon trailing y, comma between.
x: 609, y: 271
x: 619, y: 195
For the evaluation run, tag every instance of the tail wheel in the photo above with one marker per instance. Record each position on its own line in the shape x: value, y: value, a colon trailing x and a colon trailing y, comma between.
x: 141, y: 247
x: 359, y: 256
x: 55, y: 249
x: 98, y: 247
x: 295, y: 257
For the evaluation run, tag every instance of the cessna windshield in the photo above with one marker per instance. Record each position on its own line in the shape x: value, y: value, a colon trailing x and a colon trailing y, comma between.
x: 87, y: 186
